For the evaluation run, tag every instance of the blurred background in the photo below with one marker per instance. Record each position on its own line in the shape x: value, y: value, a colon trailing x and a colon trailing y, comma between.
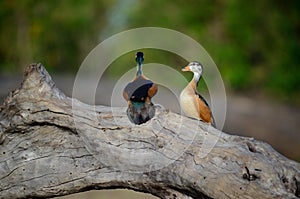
x: 255, y: 44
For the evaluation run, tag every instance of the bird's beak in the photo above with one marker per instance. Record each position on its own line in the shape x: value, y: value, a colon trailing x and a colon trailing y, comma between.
x: 187, y: 68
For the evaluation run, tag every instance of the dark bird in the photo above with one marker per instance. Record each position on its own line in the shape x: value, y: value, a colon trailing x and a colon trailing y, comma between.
x: 138, y: 94
x: 191, y: 102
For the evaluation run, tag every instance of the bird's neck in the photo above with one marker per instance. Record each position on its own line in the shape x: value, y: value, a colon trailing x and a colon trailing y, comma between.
x: 196, y: 79
x: 139, y: 71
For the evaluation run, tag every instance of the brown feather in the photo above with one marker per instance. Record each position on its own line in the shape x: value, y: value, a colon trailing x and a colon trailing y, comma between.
x: 203, y: 110
x: 152, y: 90
x: 125, y: 95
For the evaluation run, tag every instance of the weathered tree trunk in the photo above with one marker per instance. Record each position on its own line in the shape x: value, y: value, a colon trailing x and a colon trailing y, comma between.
x: 53, y: 145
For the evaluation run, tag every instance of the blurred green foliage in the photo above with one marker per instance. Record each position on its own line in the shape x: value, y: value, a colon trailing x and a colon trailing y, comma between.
x: 255, y: 44
x: 56, y: 33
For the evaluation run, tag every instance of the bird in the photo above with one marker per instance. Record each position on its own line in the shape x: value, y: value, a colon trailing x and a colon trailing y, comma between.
x: 191, y: 102
x: 138, y: 94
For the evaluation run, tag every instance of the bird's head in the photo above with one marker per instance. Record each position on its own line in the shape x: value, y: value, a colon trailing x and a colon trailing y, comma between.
x: 139, y: 58
x: 194, y: 67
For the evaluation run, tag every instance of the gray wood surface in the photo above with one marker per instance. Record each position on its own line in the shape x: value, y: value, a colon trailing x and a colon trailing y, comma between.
x: 53, y: 145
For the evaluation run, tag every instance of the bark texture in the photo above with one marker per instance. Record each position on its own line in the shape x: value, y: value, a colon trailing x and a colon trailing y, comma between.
x: 53, y: 145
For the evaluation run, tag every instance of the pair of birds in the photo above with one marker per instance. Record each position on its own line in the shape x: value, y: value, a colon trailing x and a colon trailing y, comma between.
x: 138, y: 94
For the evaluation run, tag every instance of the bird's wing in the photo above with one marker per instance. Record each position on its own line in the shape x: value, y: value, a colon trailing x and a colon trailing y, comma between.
x: 138, y: 89
x: 152, y: 90
x: 203, y: 109
x: 125, y: 94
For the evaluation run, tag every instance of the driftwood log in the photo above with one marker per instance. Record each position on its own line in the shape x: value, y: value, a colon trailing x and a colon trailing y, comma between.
x: 53, y: 145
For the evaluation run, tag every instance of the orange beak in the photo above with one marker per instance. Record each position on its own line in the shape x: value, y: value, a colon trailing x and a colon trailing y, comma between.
x: 187, y: 68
